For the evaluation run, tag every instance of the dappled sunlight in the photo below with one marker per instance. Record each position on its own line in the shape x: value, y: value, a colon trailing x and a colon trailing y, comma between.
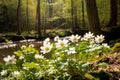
x: 59, y: 40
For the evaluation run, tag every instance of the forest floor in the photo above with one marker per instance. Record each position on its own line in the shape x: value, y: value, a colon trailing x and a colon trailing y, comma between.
x: 113, y: 60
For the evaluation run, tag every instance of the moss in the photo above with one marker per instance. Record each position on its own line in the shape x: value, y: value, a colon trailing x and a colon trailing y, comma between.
x: 90, y: 77
x: 116, y: 48
x: 78, y: 77
x: 98, y: 75
x: 102, y: 75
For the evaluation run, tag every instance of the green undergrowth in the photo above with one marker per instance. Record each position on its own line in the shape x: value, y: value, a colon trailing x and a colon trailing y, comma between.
x: 71, y: 58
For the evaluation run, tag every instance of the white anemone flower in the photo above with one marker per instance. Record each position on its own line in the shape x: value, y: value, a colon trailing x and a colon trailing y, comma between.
x: 23, y: 46
x: 56, y: 38
x: 93, y: 47
x: 88, y: 36
x: 71, y: 51
x: 31, y: 45
x: 74, y: 38
x: 57, y: 53
x: 92, y: 41
x: 99, y: 39
x: 16, y: 73
x: 37, y: 56
x: 21, y: 57
x: 3, y: 72
x: 46, y: 48
x: 47, y: 40
x: 105, y: 45
x: 62, y: 43
x: 25, y: 68
x: 10, y: 59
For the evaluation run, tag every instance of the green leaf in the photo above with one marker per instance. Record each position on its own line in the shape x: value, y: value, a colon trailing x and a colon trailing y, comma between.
x: 103, y: 64
x: 31, y: 65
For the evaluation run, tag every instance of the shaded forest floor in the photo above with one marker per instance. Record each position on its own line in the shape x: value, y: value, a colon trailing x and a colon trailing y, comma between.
x: 109, y: 33
x: 113, y: 61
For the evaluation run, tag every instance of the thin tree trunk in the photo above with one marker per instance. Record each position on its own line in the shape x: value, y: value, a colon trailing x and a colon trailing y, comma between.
x: 75, y: 18
x: 38, y: 19
x: 18, y: 18
x: 83, y: 14
x: 6, y: 15
x: 118, y: 12
x: 93, y: 20
x: 75, y: 25
x: 50, y: 8
x: 27, y: 14
x: 72, y: 15
x: 113, y: 14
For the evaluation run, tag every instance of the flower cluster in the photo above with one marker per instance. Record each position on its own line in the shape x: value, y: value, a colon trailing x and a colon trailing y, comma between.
x: 61, y: 43
x: 3, y: 72
x: 10, y: 59
x: 59, y: 59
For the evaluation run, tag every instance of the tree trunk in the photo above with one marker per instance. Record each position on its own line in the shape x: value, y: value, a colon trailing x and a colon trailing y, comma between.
x: 75, y: 26
x: 72, y: 15
x: 27, y: 14
x: 5, y: 15
x: 118, y: 12
x: 38, y: 19
x: 113, y: 14
x: 18, y: 18
x: 111, y: 29
x: 93, y: 20
x: 50, y: 8
x: 83, y: 14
